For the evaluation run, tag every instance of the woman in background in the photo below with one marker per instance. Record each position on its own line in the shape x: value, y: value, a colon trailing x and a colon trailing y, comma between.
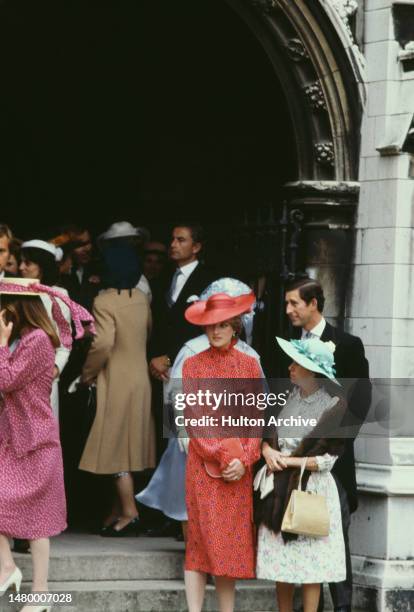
x: 122, y: 438
x: 39, y: 262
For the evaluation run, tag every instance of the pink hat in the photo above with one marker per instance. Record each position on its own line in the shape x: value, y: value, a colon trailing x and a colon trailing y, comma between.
x: 28, y: 286
x: 218, y: 308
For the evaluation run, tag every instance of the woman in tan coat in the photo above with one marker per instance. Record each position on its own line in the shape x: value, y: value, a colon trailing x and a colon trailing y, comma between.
x: 122, y: 438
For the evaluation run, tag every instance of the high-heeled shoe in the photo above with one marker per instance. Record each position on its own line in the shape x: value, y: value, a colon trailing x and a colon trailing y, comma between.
x: 131, y: 529
x: 14, y: 580
x: 104, y: 528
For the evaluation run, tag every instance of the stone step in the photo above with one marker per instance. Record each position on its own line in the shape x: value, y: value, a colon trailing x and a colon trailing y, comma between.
x: 150, y: 596
x: 84, y: 557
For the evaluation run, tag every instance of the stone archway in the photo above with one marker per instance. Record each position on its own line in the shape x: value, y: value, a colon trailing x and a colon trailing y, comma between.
x: 320, y: 68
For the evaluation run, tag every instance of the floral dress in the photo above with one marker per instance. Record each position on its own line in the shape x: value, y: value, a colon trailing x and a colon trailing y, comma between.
x: 306, y: 559
x: 32, y: 494
x: 221, y: 537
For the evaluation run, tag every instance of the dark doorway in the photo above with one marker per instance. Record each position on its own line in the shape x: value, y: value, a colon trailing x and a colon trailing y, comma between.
x: 143, y: 110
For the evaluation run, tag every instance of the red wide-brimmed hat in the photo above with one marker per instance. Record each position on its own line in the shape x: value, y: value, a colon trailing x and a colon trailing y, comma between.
x: 218, y: 308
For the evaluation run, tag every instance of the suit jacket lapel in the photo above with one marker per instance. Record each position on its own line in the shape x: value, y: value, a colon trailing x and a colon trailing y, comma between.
x: 188, y: 290
x: 328, y: 333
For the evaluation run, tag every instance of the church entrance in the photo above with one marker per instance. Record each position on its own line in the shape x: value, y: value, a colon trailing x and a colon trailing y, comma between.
x: 157, y: 112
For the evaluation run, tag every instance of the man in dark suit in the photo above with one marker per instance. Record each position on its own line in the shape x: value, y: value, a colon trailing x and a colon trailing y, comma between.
x: 304, y: 306
x: 170, y: 328
x: 83, y: 282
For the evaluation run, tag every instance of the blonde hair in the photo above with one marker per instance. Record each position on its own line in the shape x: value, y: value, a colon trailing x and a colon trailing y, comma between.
x: 28, y: 312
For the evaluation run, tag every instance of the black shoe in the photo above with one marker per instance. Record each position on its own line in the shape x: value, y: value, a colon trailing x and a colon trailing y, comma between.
x: 131, y: 529
x: 21, y: 546
x: 343, y: 609
x: 105, y: 528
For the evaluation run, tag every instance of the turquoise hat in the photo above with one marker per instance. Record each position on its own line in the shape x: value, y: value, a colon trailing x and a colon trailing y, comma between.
x: 312, y: 354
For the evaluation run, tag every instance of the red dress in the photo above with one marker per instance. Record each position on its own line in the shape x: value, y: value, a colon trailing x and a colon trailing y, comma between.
x: 221, y: 537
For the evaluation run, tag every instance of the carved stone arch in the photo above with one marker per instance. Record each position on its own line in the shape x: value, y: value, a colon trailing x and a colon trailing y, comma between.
x: 320, y: 70
x: 319, y: 67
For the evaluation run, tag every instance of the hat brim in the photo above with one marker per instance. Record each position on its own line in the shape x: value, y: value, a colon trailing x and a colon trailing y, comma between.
x: 302, y: 360
x: 17, y: 282
x: 199, y: 315
x: 19, y: 293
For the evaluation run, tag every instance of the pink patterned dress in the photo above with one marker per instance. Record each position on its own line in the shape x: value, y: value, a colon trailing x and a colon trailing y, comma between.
x: 32, y: 495
x: 221, y: 535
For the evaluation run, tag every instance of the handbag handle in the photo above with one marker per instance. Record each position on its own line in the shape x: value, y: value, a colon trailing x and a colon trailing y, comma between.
x: 302, y: 469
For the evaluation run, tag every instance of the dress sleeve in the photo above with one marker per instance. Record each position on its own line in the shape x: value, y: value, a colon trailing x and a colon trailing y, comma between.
x: 209, y: 449
x: 62, y: 353
x: 325, y: 462
x: 19, y: 368
x: 102, y: 343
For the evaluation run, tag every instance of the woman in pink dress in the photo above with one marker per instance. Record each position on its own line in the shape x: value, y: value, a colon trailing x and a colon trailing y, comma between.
x: 32, y: 495
x: 221, y: 537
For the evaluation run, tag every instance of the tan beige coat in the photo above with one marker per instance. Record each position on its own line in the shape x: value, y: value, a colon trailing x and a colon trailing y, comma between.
x: 122, y: 437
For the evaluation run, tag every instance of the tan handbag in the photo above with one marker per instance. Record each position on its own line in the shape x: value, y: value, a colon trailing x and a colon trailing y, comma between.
x: 307, y: 513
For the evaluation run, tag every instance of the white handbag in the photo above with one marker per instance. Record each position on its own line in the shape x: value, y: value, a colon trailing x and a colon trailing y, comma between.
x: 306, y: 513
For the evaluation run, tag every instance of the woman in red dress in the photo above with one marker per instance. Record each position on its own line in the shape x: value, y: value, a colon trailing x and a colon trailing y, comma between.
x: 221, y: 538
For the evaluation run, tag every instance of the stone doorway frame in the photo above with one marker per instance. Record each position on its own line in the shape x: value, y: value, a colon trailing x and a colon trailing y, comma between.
x: 311, y: 45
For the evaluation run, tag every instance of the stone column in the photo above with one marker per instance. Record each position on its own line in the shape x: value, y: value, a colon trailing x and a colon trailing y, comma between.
x: 381, y: 312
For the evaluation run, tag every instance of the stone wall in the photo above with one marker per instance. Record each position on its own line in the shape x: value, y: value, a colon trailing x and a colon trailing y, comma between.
x: 381, y: 309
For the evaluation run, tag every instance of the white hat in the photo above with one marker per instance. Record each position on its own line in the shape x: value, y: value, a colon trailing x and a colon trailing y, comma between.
x: 44, y: 246
x: 312, y: 354
x: 122, y: 229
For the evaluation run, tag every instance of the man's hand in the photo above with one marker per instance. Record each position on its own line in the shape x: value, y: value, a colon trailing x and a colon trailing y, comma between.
x: 274, y: 459
x: 234, y: 471
x: 159, y: 367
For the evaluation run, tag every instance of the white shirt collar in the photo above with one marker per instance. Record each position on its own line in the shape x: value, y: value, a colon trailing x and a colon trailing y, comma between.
x: 2, y: 274
x: 189, y: 268
x: 316, y: 331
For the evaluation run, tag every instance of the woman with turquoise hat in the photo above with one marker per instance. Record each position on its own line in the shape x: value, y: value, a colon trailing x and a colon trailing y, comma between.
x: 286, y: 558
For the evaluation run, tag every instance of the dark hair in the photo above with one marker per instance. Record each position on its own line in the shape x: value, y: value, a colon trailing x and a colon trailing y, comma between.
x: 73, y: 230
x: 121, y: 264
x: 45, y: 261
x: 237, y: 324
x: 15, y: 247
x: 27, y: 311
x: 309, y: 289
x: 196, y: 231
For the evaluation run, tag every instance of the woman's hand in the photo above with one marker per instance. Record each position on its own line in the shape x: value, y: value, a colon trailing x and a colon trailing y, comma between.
x: 5, y: 330
x: 234, y: 471
x: 274, y: 459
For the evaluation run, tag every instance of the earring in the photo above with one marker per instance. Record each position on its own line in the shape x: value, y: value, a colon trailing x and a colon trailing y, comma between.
x: 234, y: 334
